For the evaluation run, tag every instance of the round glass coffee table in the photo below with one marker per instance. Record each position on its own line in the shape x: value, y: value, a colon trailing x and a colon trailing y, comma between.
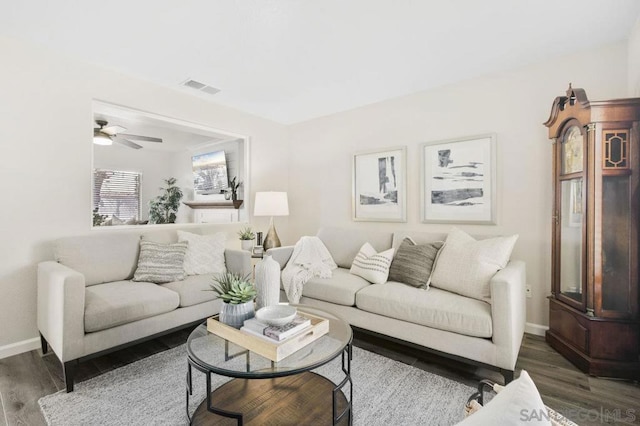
x: 265, y: 392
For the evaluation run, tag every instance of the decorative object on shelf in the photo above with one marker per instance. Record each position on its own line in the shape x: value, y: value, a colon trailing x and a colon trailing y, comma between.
x: 259, y: 238
x: 379, y: 185
x: 237, y: 293
x: 594, y: 312
x: 247, y: 236
x: 271, y: 204
x: 234, y: 185
x: 276, y: 315
x: 164, y: 207
x: 458, y: 180
x: 267, y: 282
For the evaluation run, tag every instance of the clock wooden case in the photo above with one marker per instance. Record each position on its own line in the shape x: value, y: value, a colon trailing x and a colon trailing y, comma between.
x: 593, y: 307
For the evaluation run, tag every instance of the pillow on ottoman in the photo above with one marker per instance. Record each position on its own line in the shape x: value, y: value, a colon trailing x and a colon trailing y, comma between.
x: 413, y: 263
x: 465, y: 265
x: 518, y: 403
x: 160, y: 263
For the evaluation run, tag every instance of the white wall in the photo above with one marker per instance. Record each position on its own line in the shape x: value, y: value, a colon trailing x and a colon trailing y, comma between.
x: 512, y: 104
x: 634, y: 61
x: 46, y: 123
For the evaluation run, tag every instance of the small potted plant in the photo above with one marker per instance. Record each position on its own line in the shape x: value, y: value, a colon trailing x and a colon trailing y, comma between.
x: 246, y: 238
x: 237, y: 292
x: 234, y: 185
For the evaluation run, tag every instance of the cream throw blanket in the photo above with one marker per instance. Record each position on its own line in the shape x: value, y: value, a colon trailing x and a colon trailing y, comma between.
x: 310, y: 258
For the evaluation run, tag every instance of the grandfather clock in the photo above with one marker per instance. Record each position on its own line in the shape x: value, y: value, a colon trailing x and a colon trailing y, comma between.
x: 593, y: 307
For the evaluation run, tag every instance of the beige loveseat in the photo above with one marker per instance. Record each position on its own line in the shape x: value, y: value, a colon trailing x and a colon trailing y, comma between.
x: 88, y: 305
x: 482, y: 332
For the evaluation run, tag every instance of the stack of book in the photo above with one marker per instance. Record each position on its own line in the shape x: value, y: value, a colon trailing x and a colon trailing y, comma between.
x: 276, y: 333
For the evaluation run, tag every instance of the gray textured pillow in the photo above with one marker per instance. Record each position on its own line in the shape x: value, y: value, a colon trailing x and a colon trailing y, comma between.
x: 160, y: 263
x: 413, y: 263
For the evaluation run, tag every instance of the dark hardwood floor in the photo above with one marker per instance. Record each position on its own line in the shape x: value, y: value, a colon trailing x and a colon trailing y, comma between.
x: 586, y: 400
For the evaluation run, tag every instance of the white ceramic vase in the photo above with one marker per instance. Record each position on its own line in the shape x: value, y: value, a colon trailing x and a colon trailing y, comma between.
x: 246, y: 244
x: 267, y: 282
x: 234, y: 315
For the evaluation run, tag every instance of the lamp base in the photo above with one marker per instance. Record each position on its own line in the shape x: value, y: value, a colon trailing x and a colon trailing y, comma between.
x: 271, y: 240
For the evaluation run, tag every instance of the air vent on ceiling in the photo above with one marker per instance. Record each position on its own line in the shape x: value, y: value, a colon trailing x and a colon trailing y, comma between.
x: 193, y: 84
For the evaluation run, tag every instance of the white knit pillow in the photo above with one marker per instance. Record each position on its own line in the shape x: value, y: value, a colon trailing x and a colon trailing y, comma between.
x: 465, y: 265
x: 371, y: 265
x: 205, y: 253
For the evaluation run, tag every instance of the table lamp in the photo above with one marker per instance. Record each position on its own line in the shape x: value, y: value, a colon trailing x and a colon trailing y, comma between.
x: 271, y: 204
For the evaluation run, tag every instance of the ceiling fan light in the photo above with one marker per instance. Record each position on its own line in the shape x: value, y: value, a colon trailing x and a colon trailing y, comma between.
x: 102, y: 140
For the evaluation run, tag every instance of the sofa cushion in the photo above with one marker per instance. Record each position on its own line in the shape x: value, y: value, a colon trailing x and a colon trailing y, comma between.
x: 111, y: 304
x: 465, y: 265
x: 433, y: 308
x: 413, y: 263
x: 160, y: 263
x: 205, y: 253
x: 344, y: 244
x: 193, y: 289
x: 100, y: 258
x: 371, y: 265
x: 341, y: 288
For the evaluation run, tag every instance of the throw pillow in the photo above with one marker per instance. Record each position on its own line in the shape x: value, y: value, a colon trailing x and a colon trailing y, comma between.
x: 465, y: 265
x: 518, y: 403
x: 205, y: 254
x: 160, y: 263
x: 371, y: 265
x: 413, y: 263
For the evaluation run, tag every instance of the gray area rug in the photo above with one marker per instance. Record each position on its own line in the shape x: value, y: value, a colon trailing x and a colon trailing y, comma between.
x: 152, y: 392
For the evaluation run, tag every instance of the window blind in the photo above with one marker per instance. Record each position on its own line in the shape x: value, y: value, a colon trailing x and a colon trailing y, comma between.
x: 116, y: 194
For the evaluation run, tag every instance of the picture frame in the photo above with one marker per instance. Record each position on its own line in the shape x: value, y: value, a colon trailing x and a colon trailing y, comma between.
x: 379, y: 185
x: 458, y: 180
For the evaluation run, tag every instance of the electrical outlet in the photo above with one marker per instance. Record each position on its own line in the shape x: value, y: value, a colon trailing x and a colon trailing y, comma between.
x: 529, y: 292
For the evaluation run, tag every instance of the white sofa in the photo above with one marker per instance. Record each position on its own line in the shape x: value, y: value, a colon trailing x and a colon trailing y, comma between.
x: 88, y: 305
x: 486, y: 333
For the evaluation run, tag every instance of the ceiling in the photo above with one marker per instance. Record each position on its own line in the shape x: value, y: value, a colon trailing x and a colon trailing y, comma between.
x: 176, y: 135
x: 293, y: 60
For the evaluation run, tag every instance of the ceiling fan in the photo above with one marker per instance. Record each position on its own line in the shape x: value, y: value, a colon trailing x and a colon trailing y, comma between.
x: 103, y: 135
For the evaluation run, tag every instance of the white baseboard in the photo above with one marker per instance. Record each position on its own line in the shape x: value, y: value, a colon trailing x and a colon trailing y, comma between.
x: 19, y: 347
x: 535, y: 329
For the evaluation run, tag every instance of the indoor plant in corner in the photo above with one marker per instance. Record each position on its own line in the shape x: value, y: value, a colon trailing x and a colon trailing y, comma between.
x: 237, y: 293
x: 246, y: 238
x: 164, y: 208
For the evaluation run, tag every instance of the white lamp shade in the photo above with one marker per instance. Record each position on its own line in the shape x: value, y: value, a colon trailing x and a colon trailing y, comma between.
x: 271, y: 204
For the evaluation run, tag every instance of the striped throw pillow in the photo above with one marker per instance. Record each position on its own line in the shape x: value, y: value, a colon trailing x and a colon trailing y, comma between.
x: 160, y: 263
x: 371, y: 265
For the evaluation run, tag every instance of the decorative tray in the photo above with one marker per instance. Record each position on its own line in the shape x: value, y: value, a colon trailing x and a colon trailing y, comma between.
x: 275, y: 351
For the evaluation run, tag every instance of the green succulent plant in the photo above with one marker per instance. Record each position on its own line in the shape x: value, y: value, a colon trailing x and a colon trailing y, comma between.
x: 246, y: 233
x: 233, y: 288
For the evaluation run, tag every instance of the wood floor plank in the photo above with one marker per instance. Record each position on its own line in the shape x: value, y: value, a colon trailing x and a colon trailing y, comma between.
x: 23, y: 380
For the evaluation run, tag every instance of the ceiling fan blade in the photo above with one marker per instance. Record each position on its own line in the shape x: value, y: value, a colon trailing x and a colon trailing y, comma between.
x: 112, y: 130
x: 140, y: 138
x: 128, y: 143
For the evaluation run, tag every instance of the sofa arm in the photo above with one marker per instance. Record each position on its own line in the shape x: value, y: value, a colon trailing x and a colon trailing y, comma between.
x: 238, y: 261
x: 61, y: 298
x: 508, y: 312
x: 281, y: 254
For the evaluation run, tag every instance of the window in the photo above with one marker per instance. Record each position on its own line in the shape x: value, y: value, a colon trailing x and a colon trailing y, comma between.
x: 116, y: 197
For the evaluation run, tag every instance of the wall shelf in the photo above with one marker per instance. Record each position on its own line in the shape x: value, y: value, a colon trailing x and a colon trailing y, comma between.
x: 214, y: 204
